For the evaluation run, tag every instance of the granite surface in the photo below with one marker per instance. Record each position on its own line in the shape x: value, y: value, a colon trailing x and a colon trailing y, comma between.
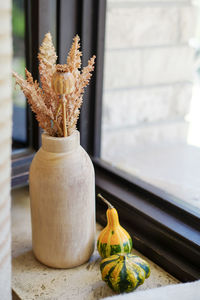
x: 33, y: 280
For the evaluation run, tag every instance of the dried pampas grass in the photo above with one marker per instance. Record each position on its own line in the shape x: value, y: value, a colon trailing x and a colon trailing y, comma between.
x: 43, y: 100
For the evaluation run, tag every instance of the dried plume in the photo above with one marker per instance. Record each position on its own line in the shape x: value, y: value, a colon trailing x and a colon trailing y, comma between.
x: 43, y: 100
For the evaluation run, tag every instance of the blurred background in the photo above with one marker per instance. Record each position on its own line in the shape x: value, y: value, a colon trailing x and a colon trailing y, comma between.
x: 151, y: 94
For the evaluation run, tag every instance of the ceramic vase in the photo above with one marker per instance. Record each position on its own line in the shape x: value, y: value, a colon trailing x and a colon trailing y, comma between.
x: 62, y: 194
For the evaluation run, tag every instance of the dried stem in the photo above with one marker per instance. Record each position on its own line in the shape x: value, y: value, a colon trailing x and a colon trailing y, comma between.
x: 64, y: 115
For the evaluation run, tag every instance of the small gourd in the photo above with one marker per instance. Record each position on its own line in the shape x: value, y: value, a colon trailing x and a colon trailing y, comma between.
x: 113, y: 238
x: 124, y: 272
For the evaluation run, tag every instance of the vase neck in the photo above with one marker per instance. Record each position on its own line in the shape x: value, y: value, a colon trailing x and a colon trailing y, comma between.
x: 61, y: 144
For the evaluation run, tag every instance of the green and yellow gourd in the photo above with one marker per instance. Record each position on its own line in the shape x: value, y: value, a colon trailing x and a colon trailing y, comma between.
x: 113, y: 238
x: 124, y: 272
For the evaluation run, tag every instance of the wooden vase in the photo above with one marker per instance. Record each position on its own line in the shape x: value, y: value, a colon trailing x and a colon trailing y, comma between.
x: 62, y: 193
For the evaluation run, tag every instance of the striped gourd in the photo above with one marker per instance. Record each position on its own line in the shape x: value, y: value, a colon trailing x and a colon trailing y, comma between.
x: 113, y: 238
x: 124, y: 272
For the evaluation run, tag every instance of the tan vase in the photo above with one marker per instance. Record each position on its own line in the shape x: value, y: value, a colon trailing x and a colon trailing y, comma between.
x: 62, y: 193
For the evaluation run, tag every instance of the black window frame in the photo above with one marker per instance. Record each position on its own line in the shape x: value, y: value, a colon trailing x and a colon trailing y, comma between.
x: 161, y: 227
x: 37, y: 23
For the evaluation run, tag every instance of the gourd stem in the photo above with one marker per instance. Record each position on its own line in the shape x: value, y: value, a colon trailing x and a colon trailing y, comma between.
x: 105, y: 201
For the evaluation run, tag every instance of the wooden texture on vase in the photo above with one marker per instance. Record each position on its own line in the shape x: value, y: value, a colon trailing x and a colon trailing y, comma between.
x: 62, y: 193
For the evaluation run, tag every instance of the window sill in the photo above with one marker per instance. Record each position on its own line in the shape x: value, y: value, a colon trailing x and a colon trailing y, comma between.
x: 32, y: 280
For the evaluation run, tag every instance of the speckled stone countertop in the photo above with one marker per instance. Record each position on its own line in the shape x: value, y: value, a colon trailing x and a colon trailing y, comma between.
x: 33, y: 280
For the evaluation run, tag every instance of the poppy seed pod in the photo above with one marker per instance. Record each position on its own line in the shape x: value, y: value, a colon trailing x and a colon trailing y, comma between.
x: 63, y: 82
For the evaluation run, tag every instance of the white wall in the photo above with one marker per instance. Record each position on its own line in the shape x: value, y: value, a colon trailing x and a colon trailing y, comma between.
x: 5, y: 147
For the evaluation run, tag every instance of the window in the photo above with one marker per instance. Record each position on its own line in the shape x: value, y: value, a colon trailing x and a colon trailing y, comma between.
x: 29, y: 27
x: 150, y: 124
x: 19, y: 101
x: 162, y: 228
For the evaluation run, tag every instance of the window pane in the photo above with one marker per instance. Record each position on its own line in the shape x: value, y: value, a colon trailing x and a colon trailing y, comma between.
x: 151, y: 95
x: 19, y: 101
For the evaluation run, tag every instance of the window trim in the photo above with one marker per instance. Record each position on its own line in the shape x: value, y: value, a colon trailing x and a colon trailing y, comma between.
x: 93, y: 21
x: 20, y: 167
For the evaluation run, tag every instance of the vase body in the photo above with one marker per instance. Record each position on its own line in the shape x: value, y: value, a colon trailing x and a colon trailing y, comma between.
x: 62, y: 194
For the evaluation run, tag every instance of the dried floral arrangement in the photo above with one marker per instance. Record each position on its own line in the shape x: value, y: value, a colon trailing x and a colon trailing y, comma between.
x: 58, y: 101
